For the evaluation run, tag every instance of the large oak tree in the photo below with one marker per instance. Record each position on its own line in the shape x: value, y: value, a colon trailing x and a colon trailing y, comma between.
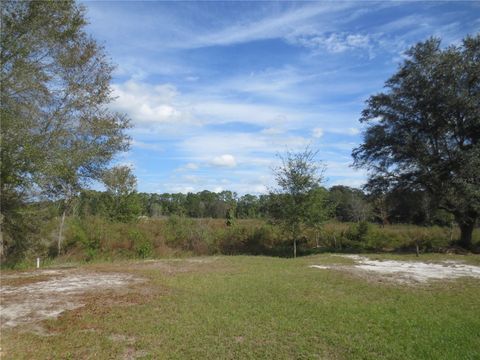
x: 423, y: 131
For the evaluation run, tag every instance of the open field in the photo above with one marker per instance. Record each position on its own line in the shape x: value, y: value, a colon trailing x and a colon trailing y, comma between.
x: 244, y: 307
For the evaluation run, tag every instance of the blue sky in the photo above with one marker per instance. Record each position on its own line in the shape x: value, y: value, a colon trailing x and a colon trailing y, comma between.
x: 216, y: 89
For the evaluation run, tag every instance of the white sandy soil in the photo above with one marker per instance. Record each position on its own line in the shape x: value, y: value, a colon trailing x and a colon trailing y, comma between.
x: 49, y: 298
x: 408, y: 271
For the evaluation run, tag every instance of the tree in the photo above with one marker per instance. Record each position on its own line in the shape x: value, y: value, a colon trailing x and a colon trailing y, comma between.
x: 298, y: 175
x: 350, y: 204
x: 121, y: 184
x: 423, y: 132
x: 248, y: 206
x: 319, y: 210
x: 120, y: 181
x: 230, y: 217
x: 378, y: 189
x: 57, y: 131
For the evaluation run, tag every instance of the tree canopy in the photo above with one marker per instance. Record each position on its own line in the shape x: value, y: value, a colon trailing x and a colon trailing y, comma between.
x: 298, y: 177
x: 423, y: 132
x: 57, y: 131
x: 121, y: 186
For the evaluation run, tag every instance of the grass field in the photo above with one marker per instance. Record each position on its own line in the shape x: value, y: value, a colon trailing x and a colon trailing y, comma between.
x: 259, y: 307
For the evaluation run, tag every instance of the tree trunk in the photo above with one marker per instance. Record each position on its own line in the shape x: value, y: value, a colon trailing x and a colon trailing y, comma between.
x: 294, y: 248
x: 1, y: 243
x: 466, y: 231
x: 1, y: 236
x: 451, y: 232
x: 60, y: 230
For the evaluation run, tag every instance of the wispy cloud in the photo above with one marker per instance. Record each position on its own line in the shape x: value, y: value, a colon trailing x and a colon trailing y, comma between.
x: 317, y: 133
x: 331, y: 42
x: 274, y: 26
x: 216, y: 89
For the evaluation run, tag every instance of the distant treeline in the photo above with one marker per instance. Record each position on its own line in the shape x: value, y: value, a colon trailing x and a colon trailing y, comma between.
x: 130, y: 224
x: 347, y: 205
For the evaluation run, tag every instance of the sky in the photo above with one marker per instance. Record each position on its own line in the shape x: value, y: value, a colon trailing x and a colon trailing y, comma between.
x: 217, y: 90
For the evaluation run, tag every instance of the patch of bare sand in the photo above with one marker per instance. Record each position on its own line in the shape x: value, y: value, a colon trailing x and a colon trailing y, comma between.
x: 131, y: 354
x: 408, y: 271
x: 62, y: 290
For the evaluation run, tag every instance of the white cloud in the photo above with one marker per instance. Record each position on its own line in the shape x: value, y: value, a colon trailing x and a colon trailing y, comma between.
x: 162, y: 108
x: 351, y: 131
x: 225, y: 160
x: 270, y: 27
x: 317, y: 132
x: 331, y: 42
x: 358, y: 40
x: 147, y: 104
x: 187, y: 27
x: 189, y: 107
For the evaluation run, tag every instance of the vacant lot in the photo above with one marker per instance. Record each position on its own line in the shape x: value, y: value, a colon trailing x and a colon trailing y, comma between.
x: 324, y: 306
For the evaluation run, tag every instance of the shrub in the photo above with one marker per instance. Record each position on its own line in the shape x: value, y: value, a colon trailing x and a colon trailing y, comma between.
x: 141, y: 244
x: 232, y: 240
x: 75, y: 235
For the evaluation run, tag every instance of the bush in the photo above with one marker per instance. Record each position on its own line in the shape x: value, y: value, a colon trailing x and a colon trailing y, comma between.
x: 358, y: 231
x: 232, y: 240
x: 141, y: 244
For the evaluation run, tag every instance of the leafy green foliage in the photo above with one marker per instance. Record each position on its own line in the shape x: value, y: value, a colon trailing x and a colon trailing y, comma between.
x: 297, y: 200
x: 358, y: 232
x: 349, y: 204
x: 95, y: 238
x: 424, y: 131
x: 119, y: 181
x: 230, y: 217
x: 319, y: 207
x: 142, y: 246
x: 121, y: 187
x: 57, y: 130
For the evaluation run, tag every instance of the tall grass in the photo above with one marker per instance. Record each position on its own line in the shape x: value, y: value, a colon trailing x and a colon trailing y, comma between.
x: 95, y: 237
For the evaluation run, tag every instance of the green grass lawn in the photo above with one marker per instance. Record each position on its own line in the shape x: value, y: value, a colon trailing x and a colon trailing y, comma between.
x: 261, y: 307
